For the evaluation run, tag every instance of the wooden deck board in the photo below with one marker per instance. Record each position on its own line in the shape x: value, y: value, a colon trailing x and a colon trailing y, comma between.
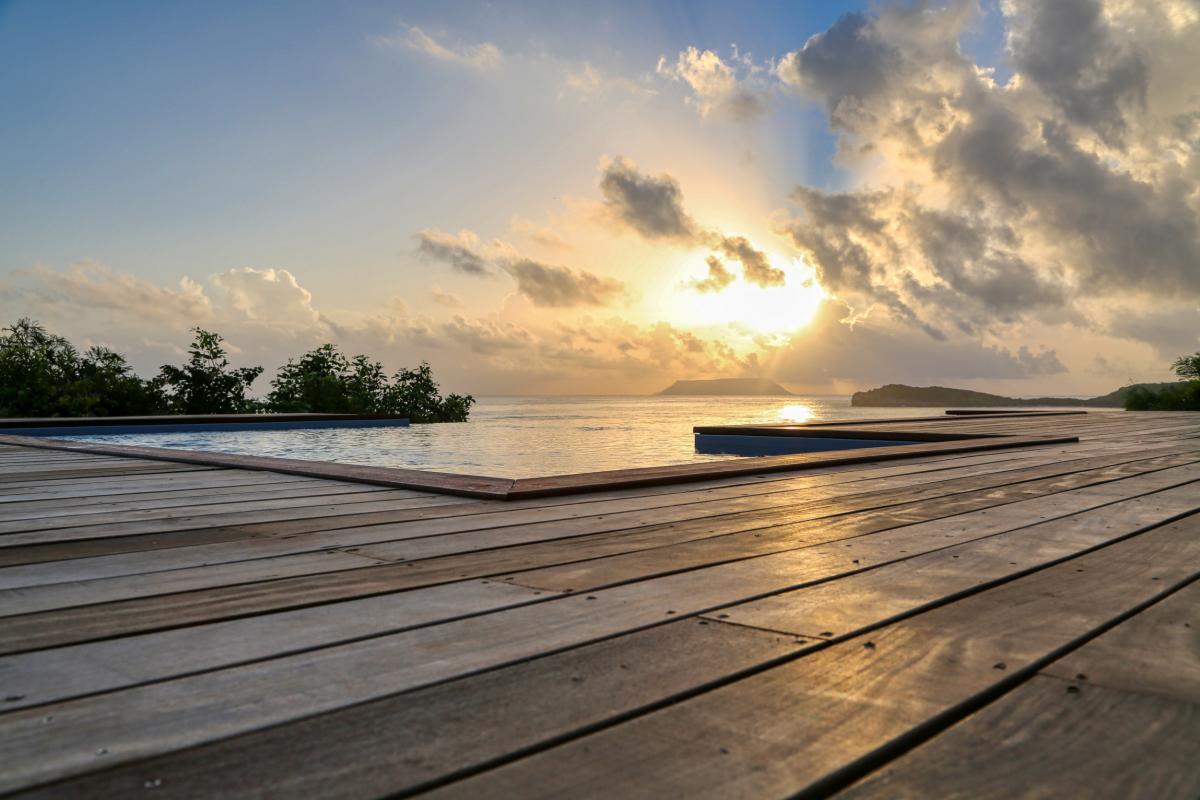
x: 97, y: 579
x: 210, y: 630
x: 1133, y: 695
x: 816, y: 721
x: 83, y: 668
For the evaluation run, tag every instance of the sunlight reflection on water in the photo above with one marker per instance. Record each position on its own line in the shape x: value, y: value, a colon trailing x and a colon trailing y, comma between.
x: 796, y: 412
x: 519, y: 437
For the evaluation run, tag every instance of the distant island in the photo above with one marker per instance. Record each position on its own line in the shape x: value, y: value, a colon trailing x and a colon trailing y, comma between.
x: 727, y: 386
x: 899, y: 395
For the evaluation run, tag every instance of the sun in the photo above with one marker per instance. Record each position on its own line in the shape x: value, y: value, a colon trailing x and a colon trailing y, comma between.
x: 770, y: 310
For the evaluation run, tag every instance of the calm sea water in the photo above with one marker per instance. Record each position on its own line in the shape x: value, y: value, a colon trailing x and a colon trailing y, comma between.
x: 520, y: 437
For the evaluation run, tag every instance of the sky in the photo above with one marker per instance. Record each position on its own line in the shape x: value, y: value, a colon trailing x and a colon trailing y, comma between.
x: 602, y: 198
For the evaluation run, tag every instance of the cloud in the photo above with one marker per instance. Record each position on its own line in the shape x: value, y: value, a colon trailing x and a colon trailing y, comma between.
x: 542, y: 234
x: 756, y: 268
x: 717, y: 89
x: 487, y: 337
x: 268, y: 294
x: 845, y: 64
x: 1070, y: 52
x: 1043, y: 362
x: 979, y: 205
x: 1172, y: 330
x: 545, y: 285
x: 559, y: 287
x: 652, y: 205
x: 718, y: 277
x: 459, y: 251
x: 265, y: 314
x: 871, y: 352
x: 484, y: 56
x: 447, y: 299
x: 588, y: 81
x: 886, y: 247
x: 89, y: 285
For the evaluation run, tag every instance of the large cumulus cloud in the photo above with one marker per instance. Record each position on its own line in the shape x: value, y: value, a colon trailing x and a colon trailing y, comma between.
x: 980, y: 204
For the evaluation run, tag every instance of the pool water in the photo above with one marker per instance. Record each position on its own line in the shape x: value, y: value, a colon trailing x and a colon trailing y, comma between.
x: 523, y: 437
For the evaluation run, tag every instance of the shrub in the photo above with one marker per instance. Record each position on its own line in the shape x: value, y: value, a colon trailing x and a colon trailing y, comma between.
x: 43, y: 375
x: 1182, y: 396
x: 325, y: 381
x: 112, y: 389
x: 415, y: 394
x: 206, y: 384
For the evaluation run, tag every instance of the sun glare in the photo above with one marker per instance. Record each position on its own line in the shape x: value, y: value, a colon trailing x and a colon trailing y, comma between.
x: 797, y: 412
x: 772, y: 310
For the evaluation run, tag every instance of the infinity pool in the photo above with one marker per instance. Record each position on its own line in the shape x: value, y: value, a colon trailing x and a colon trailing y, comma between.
x: 523, y: 437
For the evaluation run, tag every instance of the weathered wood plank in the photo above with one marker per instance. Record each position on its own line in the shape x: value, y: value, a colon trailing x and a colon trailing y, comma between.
x: 393, y: 744
x: 44, y: 475
x: 129, y: 520
x: 544, y: 509
x: 1046, y: 742
x: 942, y: 521
x: 66, y: 672
x: 160, y: 717
x: 1156, y: 652
x: 175, y: 498
x: 315, y: 522
x: 856, y: 601
x: 200, y: 615
x: 50, y: 675
x: 131, y: 616
x: 1117, y: 718
x: 26, y: 598
x: 822, y: 719
x: 107, y: 487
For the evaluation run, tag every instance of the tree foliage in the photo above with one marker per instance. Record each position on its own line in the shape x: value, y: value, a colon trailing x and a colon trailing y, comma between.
x: 206, y: 384
x: 44, y: 375
x: 1187, y: 367
x: 324, y: 380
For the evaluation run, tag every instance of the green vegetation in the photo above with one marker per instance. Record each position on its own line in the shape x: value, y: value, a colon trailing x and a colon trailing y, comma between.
x: 324, y: 379
x: 206, y: 384
x: 1181, y: 396
x: 44, y: 375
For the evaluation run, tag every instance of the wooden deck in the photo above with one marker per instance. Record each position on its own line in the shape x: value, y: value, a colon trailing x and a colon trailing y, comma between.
x: 992, y: 623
